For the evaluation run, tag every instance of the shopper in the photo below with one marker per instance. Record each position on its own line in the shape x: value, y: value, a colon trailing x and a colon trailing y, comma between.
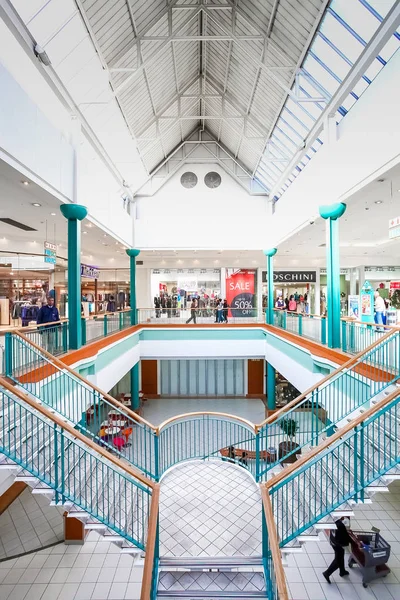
x: 379, y: 310
x: 220, y: 311
x: 217, y: 301
x: 292, y: 304
x: 243, y: 459
x: 193, y: 308
x: 280, y: 303
x: 339, y: 539
x: 48, y: 316
x: 226, y: 308
x: 157, y: 306
x: 231, y: 454
x: 169, y: 307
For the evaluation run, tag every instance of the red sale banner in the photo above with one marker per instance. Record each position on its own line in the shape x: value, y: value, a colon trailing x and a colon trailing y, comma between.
x: 241, y: 292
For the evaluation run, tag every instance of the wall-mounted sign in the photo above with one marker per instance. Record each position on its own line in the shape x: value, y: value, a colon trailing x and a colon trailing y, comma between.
x: 91, y: 272
x: 292, y: 276
x: 241, y: 286
x: 50, y: 253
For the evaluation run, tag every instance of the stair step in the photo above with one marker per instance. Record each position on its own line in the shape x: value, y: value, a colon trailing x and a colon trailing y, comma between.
x: 211, y: 584
x: 211, y: 562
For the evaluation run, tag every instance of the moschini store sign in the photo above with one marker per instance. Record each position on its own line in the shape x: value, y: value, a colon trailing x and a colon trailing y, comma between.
x: 292, y: 276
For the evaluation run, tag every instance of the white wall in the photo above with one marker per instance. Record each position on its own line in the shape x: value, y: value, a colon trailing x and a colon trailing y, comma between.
x: 29, y: 137
x: 367, y: 145
x: 225, y: 217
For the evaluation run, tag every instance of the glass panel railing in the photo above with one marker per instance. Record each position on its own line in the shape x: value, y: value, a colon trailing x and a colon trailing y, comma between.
x: 93, y: 412
x: 200, y: 316
x: 316, y: 414
x: 366, y: 449
x: 57, y: 457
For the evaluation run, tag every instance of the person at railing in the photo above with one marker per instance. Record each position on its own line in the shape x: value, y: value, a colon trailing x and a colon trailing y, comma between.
x: 379, y: 307
x: 243, y: 459
x: 193, y: 310
x: 280, y: 303
x: 157, y: 306
x: 47, y: 316
x: 226, y: 308
x: 231, y: 454
x: 292, y: 304
x: 220, y: 312
x: 338, y: 539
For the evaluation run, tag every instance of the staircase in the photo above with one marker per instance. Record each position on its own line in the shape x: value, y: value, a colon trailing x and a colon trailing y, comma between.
x: 71, y: 471
x: 211, y: 578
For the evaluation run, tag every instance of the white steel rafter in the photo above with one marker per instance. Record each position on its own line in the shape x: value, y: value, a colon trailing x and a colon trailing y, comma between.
x: 134, y: 73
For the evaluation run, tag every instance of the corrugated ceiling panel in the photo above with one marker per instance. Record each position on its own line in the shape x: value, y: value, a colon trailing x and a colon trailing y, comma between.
x: 161, y: 79
x: 146, y: 12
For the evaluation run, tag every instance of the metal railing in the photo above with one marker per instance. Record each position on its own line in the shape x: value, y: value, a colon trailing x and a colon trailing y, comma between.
x: 338, y: 470
x: 93, y: 412
x: 152, y: 559
x: 273, y: 568
x: 315, y: 414
x: 74, y: 467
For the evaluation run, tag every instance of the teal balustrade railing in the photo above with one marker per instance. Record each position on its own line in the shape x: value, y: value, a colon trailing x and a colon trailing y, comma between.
x: 361, y: 453
x: 307, y: 420
x: 207, y: 435
x: 312, y: 327
x: 276, y: 588
x: 93, y: 412
x: 53, y: 338
x: 356, y: 336
x: 61, y: 459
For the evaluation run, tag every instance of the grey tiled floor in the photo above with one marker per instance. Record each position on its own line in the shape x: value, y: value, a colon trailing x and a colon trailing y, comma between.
x: 28, y: 524
x: 209, y: 509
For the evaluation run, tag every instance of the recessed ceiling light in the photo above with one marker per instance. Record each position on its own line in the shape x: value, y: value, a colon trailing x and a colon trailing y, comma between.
x: 104, y: 235
x: 53, y: 214
x: 36, y: 204
x: 11, y: 273
x: 378, y: 201
x: 25, y: 182
x: 85, y: 232
x: 89, y: 225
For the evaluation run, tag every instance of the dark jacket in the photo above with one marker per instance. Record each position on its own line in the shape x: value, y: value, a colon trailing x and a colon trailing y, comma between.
x: 48, y: 314
x: 340, y: 537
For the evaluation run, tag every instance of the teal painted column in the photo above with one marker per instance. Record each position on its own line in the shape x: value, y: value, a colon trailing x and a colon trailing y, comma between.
x: 135, y: 403
x: 332, y: 214
x: 75, y: 213
x: 271, y: 387
x: 133, y: 253
x: 270, y: 281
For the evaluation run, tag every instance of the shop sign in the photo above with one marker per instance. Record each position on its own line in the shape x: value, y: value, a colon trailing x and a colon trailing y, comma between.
x: 50, y: 253
x: 292, y: 276
x: 394, y: 285
x: 394, y: 228
x: 241, y: 286
x: 91, y: 272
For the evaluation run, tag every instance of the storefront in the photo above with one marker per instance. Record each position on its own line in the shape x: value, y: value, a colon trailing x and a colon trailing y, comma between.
x: 179, y: 285
x: 299, y: 284
x: 24, y: 284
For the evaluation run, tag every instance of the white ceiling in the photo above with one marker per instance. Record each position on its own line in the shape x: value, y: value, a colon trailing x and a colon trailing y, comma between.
x: 16, y: 202
x: 364, y: 237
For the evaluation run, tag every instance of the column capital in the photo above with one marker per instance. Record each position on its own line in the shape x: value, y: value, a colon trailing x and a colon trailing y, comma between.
x: 270, y: 252
x: 332, y: 211
x: 74, y: 211
x: 132, y: 252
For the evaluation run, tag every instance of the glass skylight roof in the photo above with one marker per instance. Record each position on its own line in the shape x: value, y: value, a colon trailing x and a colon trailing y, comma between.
x: 345, y: 30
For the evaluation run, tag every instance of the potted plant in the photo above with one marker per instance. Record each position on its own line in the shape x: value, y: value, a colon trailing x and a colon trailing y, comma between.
x: 289, y: 447
x: 395, y: 302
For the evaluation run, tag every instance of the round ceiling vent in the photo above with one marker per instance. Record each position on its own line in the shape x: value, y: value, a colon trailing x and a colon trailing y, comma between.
x: 189, y: 180
x: 212, y: 180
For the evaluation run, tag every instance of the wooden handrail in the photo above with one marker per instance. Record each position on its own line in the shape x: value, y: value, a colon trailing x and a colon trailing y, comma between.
x: 145, y: 593
x: 132, y: 472
x: 352, y: 361
x: 65, y: 367
x: 275, y: 479
x: 274, y: 544
x: 205, y: 413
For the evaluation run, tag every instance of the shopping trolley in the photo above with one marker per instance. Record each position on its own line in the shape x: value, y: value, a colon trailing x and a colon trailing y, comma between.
x: 371, y: 553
